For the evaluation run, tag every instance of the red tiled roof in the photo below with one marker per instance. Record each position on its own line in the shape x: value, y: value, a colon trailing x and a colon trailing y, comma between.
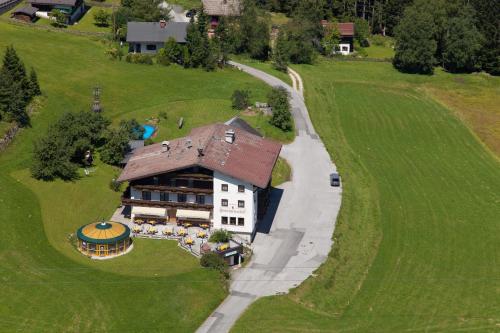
x: 345, y: 29
x: 249, y: 157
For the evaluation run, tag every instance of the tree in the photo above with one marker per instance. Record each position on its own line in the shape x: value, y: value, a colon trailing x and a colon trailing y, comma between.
x: 278, y: 100
x: 60, y: 19
x: 487, y: 12
x: 361, y: 31
x: 280, y: 52
x: 15, y: 88
x: 102, y: 18
x: 331, y: 40
x: 196, y: 45
x: 116, y: 147
x: 415, y: 42
x: 51, y: 159
x: 461, y: 45
x: 240, y: 99
x: 63, y: 148
x: 33, y: 83
x: 132, y: 129
x: 172, y: 51
x: 223, y: 41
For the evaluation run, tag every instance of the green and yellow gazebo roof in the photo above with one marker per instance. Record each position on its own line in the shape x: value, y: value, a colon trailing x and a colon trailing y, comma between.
x: 103, y: 232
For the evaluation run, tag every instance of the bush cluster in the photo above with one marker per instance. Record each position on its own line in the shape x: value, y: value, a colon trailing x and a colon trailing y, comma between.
x: 139, y: 58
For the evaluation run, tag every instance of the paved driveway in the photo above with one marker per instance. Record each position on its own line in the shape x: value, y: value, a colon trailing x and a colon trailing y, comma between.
x: 299, y: 239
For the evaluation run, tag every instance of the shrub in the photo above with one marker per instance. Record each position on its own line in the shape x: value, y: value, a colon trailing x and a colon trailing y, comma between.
x: 102, y: 18
x: 212, y: 260
x: 114, y: 185
x: 378, y: 40
x: 139, y: 58
x: 162, y: 115
x: 240, y: 99
x: 220, y: 236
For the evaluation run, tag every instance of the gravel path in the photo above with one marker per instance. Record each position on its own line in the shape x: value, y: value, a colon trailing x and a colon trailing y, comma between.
x: 303, y: 214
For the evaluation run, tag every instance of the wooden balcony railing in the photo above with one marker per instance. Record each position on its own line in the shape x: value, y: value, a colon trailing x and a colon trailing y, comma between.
x: 165, y: 204
x: 171, y: 189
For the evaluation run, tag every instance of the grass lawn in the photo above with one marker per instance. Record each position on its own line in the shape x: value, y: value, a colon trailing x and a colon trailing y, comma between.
x: 379, y: 52
x: 418, y: 238
x: 46, y: 285
x: 186, y: 4
x: 86, y: 23
x: 282, y: 172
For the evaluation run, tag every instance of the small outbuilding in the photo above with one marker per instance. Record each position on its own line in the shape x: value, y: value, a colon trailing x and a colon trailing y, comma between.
x: 26, y: 14
x: 104, y: 239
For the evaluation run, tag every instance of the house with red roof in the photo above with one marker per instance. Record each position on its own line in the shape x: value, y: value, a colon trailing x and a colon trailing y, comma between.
x: 219, y: 175
x: 346, y: 31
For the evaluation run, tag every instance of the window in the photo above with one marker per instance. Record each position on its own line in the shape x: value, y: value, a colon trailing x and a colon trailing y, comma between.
x: 241, y: 204
x: 151, y: 47
x: 181, y: 197
x: 223, y: 219
x: 241, y: 188
x: 200, y: 199
x: 232, y: 221
x: 241, y: 221
x: 155, y: 180
x: 345, y: 49
x: 224, y: 202
x: 146, y: 195
x: 223, y: 187
x: 163, y: 196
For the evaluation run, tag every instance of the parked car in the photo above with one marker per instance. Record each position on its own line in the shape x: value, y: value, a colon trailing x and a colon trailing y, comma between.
x: 334, y: 179
x: 190, y: 13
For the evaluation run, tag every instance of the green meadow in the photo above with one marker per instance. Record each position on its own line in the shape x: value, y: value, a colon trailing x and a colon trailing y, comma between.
x: 417, y: 243
x: 47, y: 286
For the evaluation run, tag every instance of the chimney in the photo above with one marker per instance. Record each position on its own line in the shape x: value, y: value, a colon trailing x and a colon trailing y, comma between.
x: 230, y: 136
x: 165, y: 146
x: 163, y: 24
x: 189, y: 143
x: 200, y: 152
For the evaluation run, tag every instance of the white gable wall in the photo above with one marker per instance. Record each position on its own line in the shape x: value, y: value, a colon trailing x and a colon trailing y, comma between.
x: 249, y: 212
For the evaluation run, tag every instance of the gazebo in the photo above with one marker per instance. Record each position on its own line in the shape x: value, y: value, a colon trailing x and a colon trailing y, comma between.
x: 104, y: 239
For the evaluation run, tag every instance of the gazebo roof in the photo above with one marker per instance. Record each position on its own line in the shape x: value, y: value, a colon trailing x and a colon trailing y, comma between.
x: 103, y: 232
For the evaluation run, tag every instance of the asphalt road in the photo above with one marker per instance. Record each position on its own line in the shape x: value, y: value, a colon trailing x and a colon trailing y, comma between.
x: 303, y: 214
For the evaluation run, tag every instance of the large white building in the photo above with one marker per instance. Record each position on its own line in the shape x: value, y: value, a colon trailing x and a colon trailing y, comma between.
x: 219, y: 175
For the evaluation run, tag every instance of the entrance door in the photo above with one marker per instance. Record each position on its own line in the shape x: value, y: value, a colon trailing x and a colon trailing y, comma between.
x: 138, y: 48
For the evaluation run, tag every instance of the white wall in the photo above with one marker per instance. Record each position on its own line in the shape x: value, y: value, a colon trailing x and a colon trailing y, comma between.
x: 342, y: 46
x: 249, y: 213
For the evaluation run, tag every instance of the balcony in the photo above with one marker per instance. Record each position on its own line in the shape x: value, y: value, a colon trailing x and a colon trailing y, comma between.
x: 126, y: 201
x: 173, y: 189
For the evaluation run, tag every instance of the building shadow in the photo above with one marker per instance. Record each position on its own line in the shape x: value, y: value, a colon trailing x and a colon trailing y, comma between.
x: 266, y: 222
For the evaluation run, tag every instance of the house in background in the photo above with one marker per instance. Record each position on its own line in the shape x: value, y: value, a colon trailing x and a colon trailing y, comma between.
x: 148, y: 37
x: 218, y: 8
x: 73, y: 9
x: 346, y: 30
x: 26, y: 14
x: 219, y: 175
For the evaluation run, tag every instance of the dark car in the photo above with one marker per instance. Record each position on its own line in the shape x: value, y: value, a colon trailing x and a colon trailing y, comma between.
x: 334, y: 179
x: 190, y: 13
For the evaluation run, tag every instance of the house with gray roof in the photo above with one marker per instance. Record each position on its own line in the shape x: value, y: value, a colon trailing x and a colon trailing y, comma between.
x: 149, y: 37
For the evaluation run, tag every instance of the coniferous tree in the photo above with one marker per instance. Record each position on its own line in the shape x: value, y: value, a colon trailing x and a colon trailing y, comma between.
x: 33, y: 83
x: 280, y: 52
